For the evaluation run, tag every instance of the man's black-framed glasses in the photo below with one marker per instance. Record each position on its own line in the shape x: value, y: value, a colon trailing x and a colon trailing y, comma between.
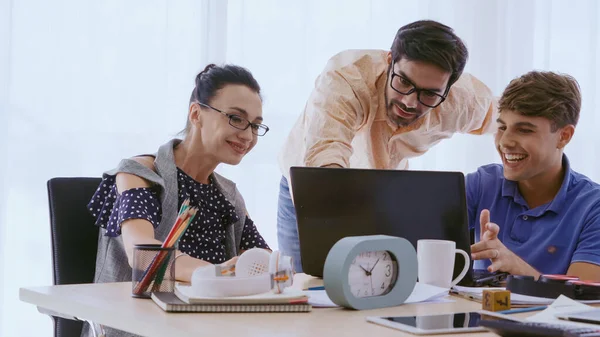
x: 240, y: 122
x: 404, y: 86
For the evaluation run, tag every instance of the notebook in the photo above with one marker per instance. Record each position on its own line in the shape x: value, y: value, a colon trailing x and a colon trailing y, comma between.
x: 289, y: 296
x: 169, y: 302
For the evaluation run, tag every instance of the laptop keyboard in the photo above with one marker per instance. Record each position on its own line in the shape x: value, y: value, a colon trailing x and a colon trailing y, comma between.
x: 480, y: 273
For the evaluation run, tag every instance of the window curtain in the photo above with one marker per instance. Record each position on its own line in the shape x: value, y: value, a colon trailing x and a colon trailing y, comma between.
x: 84, y: 84
x: 286, y: 44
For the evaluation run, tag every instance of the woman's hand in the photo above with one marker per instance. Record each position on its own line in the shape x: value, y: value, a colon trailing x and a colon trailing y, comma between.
x: 227, y: 268
x: 231, y: 262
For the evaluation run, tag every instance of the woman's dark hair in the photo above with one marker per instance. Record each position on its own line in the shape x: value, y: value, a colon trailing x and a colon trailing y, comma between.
x: 213, y: 78
x: 431, y: 42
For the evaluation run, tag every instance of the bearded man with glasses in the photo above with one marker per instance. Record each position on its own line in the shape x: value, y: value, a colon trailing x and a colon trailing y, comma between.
x: 376, y: 109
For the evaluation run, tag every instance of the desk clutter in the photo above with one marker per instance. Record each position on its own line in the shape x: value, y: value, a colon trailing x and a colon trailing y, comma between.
x: 557, y: 319
x: 554, y: 296
x: 509, y: 329
x: 154, y: 265
x: 552, y: 286
x: 495, y: 300
x: 421, y: 293
x: 258, y: 282
x: 552, y: 321
x: 256, y: 271
x: 516, y: 300
x: 183, y: 300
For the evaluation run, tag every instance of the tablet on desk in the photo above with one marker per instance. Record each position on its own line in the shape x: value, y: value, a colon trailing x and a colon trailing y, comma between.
x: 440, y: 324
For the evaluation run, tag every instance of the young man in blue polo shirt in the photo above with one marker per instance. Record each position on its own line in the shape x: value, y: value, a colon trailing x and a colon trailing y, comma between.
x: 534, y: 215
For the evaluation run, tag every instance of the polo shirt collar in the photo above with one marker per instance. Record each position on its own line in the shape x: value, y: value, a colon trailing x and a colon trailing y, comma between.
x: 510, y: 189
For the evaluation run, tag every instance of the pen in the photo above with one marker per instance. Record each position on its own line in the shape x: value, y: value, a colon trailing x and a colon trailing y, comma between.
x: 519, y: 310
x: 317, y: 288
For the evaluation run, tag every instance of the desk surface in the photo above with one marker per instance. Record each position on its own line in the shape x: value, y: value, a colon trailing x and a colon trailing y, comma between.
x: 111, y: 304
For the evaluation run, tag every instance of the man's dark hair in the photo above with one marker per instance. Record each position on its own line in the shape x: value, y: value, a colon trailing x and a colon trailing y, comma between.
x: 432, y: 42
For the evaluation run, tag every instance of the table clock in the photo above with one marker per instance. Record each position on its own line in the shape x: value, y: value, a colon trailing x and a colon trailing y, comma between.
x: 373, y: 271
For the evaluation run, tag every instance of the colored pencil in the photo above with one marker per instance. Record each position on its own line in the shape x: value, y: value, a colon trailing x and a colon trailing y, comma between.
x: 157, y: 268
x: 519, y: 310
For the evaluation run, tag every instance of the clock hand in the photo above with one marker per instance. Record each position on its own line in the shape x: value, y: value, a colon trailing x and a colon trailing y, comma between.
x: 366, y: 271
x: 374, y: 266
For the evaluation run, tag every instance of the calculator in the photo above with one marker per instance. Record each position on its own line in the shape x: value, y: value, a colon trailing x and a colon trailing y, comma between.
x: 531, y: 329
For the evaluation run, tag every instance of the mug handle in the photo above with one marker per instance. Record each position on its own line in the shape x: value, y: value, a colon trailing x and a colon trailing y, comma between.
x: 465, y: 269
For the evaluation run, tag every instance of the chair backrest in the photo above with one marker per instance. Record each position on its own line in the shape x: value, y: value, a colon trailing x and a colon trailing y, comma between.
x: 74, y: 238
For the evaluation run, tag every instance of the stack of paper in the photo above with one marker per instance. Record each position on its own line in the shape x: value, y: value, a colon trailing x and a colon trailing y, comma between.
x: 421, y: 293
x: 289, y: 296
x: 516, y: 300
x: 185, y: 300
x: 562, y: 305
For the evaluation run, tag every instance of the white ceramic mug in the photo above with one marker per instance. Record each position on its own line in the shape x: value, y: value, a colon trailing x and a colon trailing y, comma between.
x: 436, y: 262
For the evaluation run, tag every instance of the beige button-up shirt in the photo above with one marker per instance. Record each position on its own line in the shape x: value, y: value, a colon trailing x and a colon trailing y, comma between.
x: 345, y: 120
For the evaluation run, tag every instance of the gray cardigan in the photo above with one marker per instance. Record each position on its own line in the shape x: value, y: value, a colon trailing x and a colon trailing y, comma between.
x: 111, y: 260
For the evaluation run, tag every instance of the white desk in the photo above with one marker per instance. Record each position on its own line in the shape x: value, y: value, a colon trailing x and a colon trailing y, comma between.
x: 111, y: 304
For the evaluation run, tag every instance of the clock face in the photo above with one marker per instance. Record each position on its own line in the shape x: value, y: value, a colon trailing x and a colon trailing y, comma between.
x: 372, y: 273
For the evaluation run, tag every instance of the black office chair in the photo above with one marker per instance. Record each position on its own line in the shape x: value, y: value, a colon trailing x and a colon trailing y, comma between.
x: 74, y: 239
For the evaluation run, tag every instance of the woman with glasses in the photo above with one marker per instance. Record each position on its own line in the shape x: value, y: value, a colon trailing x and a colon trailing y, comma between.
x: 138, y: 202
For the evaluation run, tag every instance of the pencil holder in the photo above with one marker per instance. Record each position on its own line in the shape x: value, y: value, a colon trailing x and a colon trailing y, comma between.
x: 153, y: 270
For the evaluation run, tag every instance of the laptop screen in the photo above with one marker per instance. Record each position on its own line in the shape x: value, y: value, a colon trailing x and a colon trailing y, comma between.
x: 332, y: 203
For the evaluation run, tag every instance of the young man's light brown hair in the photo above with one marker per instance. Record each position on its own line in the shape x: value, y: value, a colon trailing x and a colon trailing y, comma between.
x: 554, y: 96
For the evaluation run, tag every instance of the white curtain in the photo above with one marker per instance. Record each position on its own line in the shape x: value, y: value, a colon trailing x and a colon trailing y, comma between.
x: 4, y: 80
x: 83, y: 84
x: 86, y: 83
x: 287, y: 43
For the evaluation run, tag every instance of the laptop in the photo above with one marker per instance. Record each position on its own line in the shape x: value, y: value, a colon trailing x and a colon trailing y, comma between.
x: 333, y: 203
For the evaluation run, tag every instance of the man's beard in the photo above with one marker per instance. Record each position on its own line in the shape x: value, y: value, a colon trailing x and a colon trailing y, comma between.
x: 400, y: 121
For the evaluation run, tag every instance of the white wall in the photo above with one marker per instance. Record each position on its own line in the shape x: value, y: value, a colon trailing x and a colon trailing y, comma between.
x: 90, y: 82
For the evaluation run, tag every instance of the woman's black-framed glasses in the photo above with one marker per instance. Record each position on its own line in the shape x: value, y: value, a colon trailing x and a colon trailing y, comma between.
x: 240, y: 122
x: 404, y: 86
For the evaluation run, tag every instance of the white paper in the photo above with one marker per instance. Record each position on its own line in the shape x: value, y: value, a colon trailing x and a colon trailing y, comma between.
x: 445, y: 299
x: 562, y: 305
x: 477, y: 293
x: 473, y: 290
x: 421, y: 293
x: 188, y: 294
x: 319, y: 299
x: 425, y: 292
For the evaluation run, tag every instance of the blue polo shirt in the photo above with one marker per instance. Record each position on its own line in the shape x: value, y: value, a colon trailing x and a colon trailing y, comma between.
x: 549, y: 237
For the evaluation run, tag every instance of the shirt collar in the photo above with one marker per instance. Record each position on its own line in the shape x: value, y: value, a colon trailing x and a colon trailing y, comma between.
x: 557, y: 204
x: 510, y: 189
